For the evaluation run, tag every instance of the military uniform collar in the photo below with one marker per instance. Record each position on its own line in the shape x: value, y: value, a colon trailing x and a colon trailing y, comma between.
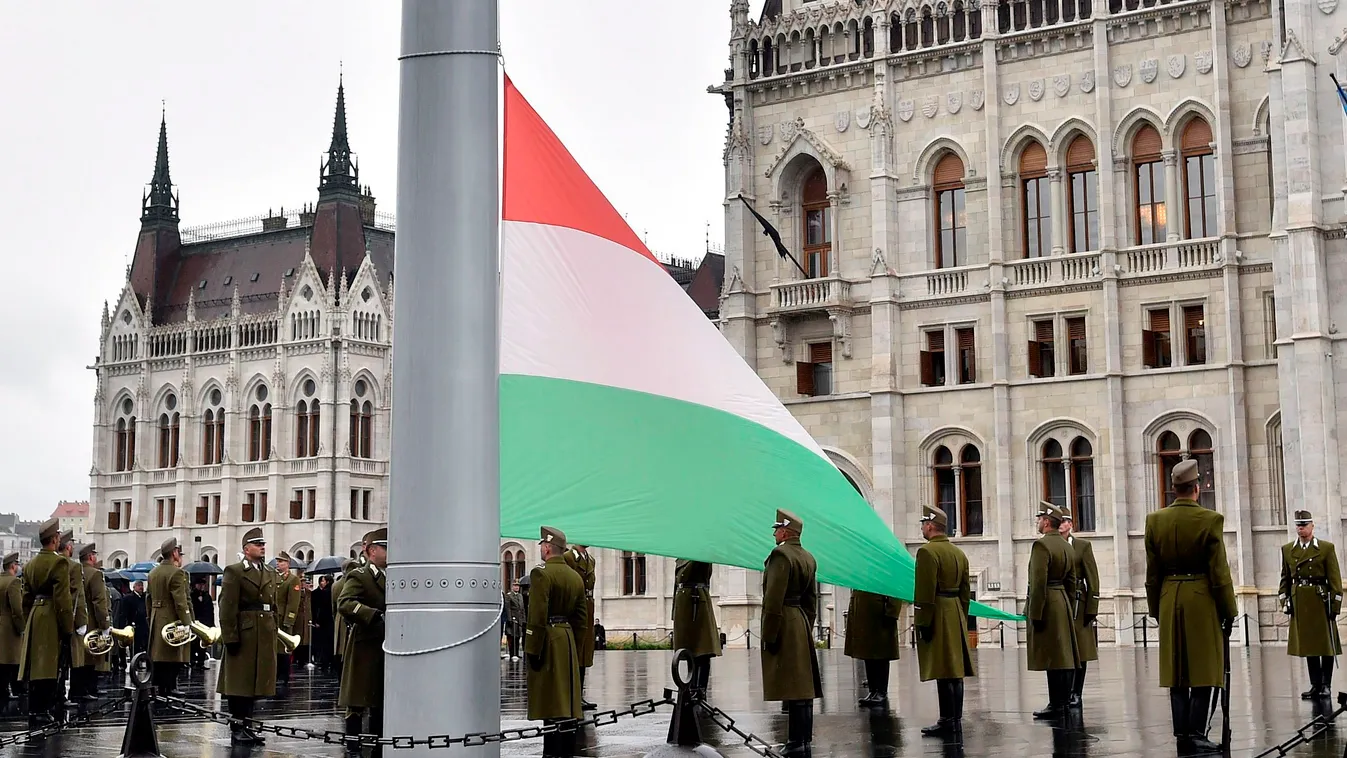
x: 1314, y: 542
x: 1185, y: 501
x: 790, y: 541
x: 556, y: 559
x: 373, y: 570
x: 939, y: 538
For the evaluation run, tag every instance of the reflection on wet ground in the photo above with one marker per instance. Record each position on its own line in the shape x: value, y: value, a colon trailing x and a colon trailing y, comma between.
x: 1125, y: 713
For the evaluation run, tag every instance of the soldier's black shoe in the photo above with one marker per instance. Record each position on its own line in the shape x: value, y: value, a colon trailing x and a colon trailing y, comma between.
x: 941, y: 728
x: 1310, y: 693
x: 1198, y: 744
x: 796, y: 750
x: 585, y: 705
x: 1075, y: 701
x: 871, y: 698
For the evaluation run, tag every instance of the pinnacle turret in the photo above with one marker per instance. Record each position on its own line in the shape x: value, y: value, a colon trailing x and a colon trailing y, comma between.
x: 340, y: 170
x: 159, y: 203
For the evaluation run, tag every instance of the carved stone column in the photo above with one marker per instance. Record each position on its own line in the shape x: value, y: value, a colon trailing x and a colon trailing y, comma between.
x: 1173, y: 201
x: 1057, y: 191
x: 835, y: 230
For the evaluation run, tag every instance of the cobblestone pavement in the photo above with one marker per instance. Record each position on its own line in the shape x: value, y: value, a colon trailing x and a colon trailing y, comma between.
x: 1125, y: 714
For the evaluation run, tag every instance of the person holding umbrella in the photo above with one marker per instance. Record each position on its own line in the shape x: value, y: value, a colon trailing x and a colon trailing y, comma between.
x: 322, y: 623
x: 203, y: 609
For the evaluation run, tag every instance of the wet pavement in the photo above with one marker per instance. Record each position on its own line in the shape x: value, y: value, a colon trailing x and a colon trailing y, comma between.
x: 1125, y: 713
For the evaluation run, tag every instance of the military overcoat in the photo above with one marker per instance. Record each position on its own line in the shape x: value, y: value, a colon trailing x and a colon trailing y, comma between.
x: 584, y: 565
x: 694, y: 617
x: 287, y: 602
x: 96, y: 600
x: 248, y: 630
x: 872, y: 627
x: 1051, y: 642
x: 12, y: 619
x: 342, y: 625
x: 1087, y: 599
x: 362, y: 665
x: 941, y: 595
x: 789, y: 606
x: 78, y: 653
x: 1188, y: 591
x: 1311, y: 585
x: 304, y: 615
x: 556, y: 608
x: 51, y: 615
x: 168, y: 605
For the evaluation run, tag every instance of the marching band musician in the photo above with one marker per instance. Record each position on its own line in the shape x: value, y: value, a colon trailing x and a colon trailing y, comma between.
x: 361, y: 604
x: 11, y: 626
x: 51, y: 621
x: 73, y: 654
x: 94, y: 591
x: 248, y: 631
x: 287, y: 609
x: 168, y: 605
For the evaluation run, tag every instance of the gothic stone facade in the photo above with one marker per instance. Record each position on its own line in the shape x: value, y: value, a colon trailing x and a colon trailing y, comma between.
x: 1052, y: 247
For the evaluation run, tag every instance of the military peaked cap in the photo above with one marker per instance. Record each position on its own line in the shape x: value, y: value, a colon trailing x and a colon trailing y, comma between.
x: 88, y: 550
x: 1184, y: 472
x: 935, y: 516
x: 550, y: 535
x: 379, y: 536
x: 67, y: 537
x: 788, y: 521
x: 284, y: 556
x: 349, y: 565
x: 1052, y: 511
x: 166, y: 549
x: 10, y: 560
x: 1304, y: 517
x: 254, y: 537
x: 49, y: 529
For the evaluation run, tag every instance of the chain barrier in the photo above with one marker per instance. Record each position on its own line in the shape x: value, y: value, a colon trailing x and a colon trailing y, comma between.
x: 54, y: 728
x: 726, y: 723
x: 331, y: 737
x: 1316, y: 727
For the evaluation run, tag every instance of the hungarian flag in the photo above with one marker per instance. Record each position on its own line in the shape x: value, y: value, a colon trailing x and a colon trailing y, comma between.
x: 627, y: 420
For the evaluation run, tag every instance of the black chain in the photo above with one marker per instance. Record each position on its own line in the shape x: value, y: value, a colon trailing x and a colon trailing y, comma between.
x: 330, y: 737
x: 726, y: 723
x: 1316, y: 727
x: 54, y: 728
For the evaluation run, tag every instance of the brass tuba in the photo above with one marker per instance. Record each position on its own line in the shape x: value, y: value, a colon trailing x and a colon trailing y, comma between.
x: 100, y: 641
x: 178, y: 635
x: 288, y: 641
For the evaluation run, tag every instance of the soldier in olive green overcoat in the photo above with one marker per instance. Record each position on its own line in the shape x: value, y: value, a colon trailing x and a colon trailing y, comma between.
x: 1051, y: 611
x: 579, y: 559
x: 51, y: 622
x: 556, y: 608
x: 1311, y: 592
x: 1188, y: 590
x: 248, y: 631
x: 168, y: 605
x: 342, y: 627
x: 94, y: 592
x: 287, y: 612
x: 362, y: 606
x: 872, y: 637
x: 694, y: 620
x: 790, y: 670
x: 74, y: 653
x: 941, y: 595
x: 1087, y: 605
x: 11, y: 625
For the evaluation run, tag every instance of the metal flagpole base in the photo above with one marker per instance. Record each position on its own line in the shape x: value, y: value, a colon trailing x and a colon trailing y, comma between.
x: 685, y: 738
x: 140, y: 740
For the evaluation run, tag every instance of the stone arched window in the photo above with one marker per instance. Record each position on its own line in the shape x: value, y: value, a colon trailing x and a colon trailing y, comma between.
x: 1035, y: 201
x: 124, y: 448
x: 1082, y: 196
x: 1199, y: 179
x: 169, y: 422
x: 1276, y: 471
x: 212, y: 428
x: 1061, y: 453
x: 633, y: 573
x: 259, y: 426
x: 511, y: 564
x: 958, y: 487
x: 1148, y: 187
x: 951, y: 215
x: 307, y: 418
x: 818, y: 222
x: 1178, y: 442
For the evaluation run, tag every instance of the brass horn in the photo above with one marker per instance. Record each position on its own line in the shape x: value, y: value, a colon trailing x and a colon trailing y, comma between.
x: 208, y: 635
x: 288, y: 641
x: 177, y: 635
x: 100, y: 641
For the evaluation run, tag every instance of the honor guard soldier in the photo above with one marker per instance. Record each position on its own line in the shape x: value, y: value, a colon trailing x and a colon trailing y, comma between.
x: 1051, y: 610
x: 287, y: 611
x: 556, y: 610
x: 941, y: 594
x: 94, y: 590
x: 578, y: 558
x: 12, y: 619
x: 790, y: 670
x: 694, y: 620
x: 74, y: 653
x: 168, y: 605
x: 304, y: 621
x: 872, y: 637
x: 342, y: 627
x: 1188, y: 591
x: 362, y: 606
x: 1087, y: 605
x: 1311, y: 592
x: 248, y: 630
x: 51, y: 622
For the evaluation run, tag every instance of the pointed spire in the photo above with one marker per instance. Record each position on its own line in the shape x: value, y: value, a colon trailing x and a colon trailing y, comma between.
x: 332, y: 286
x: 107, y: 318
x: 340, y: 169
x: 159, y: 204
x: 342, y: 290
x: 236, y: 303
x: 191, y: 305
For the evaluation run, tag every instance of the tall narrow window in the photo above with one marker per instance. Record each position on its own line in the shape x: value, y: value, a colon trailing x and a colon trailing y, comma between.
x: 817, y: 224
x: 951, y: 216
x: 1148, y: 174
x: 354, y: 442
x: 633, y: 573
x: 1168, y: 454
x: 946, y: 486
x: 203, y: 511
x: 1199, y: 180
x: 124, y: 456
x: 302, y: 429
x: 312, y: 503
x: 1276, y: 471
x: 215, y: 509
x: 355, y: 504
x: 968, y: 365
x: 815, y: 376
x: 1199, y: 448
x: 262, y: 506
x: 212, y: 433
x: 933, y: 359
x: 1082, y: 485
x: 1036, y: 202
x: 159, y: 512
x: 1042, y: 351
x: 248, y: 513
x: 119, y: 456
x: 172, y: 511
x: 1077, y: 352
x: 362, y: 416
x: 254, y: 433
x: 1054, y: 474
x: 1269, y: 326
x: 1155, y: 341
x: 1194, y: 335
x: 365, y: 505
x: 168, y: 440
x: 1083, y: 199
x: 970, y: 461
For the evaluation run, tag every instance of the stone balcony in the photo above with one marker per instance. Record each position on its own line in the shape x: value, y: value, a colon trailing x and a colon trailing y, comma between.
x: 805, y: 295
x: 1169, y: 258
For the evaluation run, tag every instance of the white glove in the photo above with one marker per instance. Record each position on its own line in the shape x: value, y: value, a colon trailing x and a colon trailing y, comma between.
x: 80, y: 631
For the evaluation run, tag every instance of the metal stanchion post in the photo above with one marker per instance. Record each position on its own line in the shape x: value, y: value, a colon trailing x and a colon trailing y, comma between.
x: 140, y: 740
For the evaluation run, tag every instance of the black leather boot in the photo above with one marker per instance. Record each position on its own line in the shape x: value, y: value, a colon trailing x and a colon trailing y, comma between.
x: 1312, y: 663
x: 1054, y: 707
x: 702, y: 678
x: 1326, y: 677
x: 1178, y: 712
x: 956, y: 709
x: 945, y: 725
x: 1199, y: 707
x: 1077, y: 686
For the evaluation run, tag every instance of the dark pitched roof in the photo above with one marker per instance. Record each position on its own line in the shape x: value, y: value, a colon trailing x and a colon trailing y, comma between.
x: 770, y: 9
x: 707, y: 281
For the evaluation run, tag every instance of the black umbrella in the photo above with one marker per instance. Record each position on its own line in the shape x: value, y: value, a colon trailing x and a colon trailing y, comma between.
x: 328, y: 564
x: 202, y: 567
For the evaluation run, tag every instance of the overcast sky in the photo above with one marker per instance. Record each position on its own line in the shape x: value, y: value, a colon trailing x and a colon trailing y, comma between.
x: 249, y: 88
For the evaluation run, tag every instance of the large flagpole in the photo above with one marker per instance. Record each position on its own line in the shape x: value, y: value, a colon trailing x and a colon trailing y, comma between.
x: 444, y: 595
